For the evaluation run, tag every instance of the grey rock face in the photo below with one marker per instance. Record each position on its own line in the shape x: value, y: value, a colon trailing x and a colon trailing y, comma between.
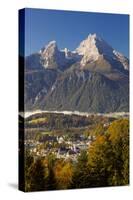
x: 93, y: 78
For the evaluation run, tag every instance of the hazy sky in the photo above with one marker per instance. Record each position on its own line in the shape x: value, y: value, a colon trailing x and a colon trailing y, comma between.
x: 70, y: 28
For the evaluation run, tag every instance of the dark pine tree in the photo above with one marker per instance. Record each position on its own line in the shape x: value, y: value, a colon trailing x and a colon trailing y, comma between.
x: 81, y: 172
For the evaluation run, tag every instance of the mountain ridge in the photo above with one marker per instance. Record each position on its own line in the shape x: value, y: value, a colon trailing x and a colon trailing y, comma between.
x: 93, y: 78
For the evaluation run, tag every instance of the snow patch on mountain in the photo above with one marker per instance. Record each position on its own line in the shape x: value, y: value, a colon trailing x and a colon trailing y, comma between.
x: 122, y: 59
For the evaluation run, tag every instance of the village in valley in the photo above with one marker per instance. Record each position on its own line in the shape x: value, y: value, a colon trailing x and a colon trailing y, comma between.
x: 60, y: 146
x: 62, y: 135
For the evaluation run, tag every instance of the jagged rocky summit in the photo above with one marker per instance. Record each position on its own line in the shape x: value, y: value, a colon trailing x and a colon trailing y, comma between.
x: 92, y: 78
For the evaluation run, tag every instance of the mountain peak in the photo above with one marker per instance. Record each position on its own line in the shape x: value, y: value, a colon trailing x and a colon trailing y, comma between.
x: 49, y: 54
x: 53, y: 58
x: 93, y: 53
x: 92, y: 36
x: 88, y: 49
x: 94, y: 44
x: 51, y: 45
x: 92, y: 48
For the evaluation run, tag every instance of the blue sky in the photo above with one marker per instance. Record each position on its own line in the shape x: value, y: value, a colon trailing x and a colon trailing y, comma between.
x: 70, y: 28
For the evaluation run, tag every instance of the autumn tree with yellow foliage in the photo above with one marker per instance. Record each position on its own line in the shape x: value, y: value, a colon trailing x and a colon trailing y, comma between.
x: 63, y: 173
